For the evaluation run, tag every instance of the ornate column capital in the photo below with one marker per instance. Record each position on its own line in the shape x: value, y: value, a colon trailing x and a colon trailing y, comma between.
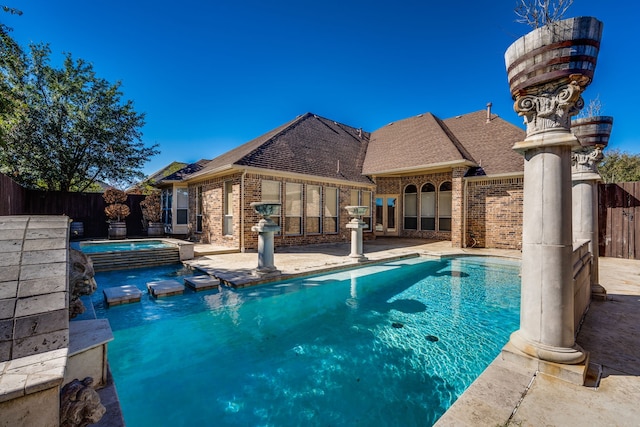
x: 586, y: 159
x: 549, y: 107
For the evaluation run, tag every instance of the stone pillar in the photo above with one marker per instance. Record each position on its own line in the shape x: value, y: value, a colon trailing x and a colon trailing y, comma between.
x: 266, y: 228
x: 585, y: 179
x: 357, y: 225
x: 547, y: 330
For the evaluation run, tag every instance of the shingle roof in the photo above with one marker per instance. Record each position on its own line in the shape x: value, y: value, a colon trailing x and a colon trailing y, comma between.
x: 309, y: 144
x: 489, y: 143
x: 186, y: 171
x: 425, y: 141
x: 411, y: 143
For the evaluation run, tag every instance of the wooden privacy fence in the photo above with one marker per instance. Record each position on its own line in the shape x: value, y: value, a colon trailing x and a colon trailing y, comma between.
x: 619, y: 220
x: 85, y: 207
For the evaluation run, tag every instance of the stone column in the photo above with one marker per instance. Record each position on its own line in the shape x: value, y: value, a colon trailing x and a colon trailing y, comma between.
x: 585, y: 179
x: 547, y: 330
x: 265, y: 228
x: 357, y: 225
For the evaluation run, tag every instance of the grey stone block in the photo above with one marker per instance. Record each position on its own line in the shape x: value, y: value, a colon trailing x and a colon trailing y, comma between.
x: 6, y: 330
x: 43, y: 271
x: 8, y: 289
x: 34, y: 287
x: 9, y: 273
x: 5, y: 350
x: 41, y: 343
x: 7, y: 308
x: 122, y: 294
x: 48, y: 256
x: 10, y: 246
x: 41, y: 304
x: 41, y: 323
x: 165, y: 288
x: 201, y: 283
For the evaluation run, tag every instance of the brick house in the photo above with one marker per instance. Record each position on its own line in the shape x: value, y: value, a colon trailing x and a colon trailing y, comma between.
x: 456, y: 179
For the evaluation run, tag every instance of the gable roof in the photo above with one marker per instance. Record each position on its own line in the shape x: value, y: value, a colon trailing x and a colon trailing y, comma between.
x: 427, y: 142
x: 309, y: 144
x: 414, y: 143
x: 489, y: 143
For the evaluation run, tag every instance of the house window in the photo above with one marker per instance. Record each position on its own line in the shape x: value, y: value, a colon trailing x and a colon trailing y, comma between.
x: 362, y: 198
x: 271, y: 193
x: 228, y: 209
x: 293, y: 209
x: 354, y: 198
x: 330, y: 223
x: 365, y: 200
x: 428, y: 207
x: 199, y: 209
x: 182, y: 206
x: 411, y: 207
x: 167, y: 198
x: 314, y: 207
x: 444, y: 207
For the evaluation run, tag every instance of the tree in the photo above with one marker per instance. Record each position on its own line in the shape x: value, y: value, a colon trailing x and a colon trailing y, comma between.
x: 619, y: 166
x: 12, y: 63
x: 538, y: 13
x: 74, y: 128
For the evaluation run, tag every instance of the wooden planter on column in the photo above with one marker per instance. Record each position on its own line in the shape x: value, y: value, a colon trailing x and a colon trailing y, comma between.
x: 554, y: 52
x: 592, y: 131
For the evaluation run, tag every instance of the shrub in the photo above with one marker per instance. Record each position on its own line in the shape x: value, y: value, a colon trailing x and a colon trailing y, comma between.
x: 116, y: 210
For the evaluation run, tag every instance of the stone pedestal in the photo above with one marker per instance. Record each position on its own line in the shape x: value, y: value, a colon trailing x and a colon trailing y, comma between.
x: 266, y: 228
x: 585, y: 179
x: 547, y: 329
x: 357, y: 225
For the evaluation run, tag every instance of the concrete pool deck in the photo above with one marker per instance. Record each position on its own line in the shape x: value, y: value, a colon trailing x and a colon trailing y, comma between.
x: 506, y: 393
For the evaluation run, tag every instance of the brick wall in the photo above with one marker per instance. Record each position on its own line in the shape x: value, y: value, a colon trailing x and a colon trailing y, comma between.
x: 212, y: 223
x: 494, y: 212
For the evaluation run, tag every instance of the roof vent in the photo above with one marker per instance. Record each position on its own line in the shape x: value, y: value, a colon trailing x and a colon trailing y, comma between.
x: 489, y: 112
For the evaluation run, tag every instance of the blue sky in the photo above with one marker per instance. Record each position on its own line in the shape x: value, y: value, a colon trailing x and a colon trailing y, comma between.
x: 211, y: 75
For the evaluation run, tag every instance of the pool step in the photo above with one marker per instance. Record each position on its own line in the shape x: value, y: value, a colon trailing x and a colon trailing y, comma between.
x: 118, y: 260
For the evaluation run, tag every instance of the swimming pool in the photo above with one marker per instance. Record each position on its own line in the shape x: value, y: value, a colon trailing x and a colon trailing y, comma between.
x: 389, y: 344
x: 99, y: 247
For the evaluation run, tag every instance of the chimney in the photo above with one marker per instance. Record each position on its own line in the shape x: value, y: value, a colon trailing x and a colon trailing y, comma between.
x: 489, y: 112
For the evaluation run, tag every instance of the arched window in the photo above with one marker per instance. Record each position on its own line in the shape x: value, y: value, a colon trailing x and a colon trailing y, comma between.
x: 411, y: 207
x: 444, y: 207
x: 428, y: 207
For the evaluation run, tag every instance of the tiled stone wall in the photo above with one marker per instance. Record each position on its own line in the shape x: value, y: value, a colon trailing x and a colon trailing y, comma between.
x: 494, y: 212
x: 34, y: 315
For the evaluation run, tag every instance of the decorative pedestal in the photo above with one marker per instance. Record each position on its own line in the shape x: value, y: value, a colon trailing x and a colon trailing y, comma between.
x: 266, y: 228
x: 357, y: 225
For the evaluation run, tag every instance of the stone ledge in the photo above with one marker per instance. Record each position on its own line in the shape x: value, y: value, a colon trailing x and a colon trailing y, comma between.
x: 27, y: 375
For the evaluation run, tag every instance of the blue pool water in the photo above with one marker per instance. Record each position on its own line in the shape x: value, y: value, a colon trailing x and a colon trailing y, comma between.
x: 91, y: 248
x: 393, y: 344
